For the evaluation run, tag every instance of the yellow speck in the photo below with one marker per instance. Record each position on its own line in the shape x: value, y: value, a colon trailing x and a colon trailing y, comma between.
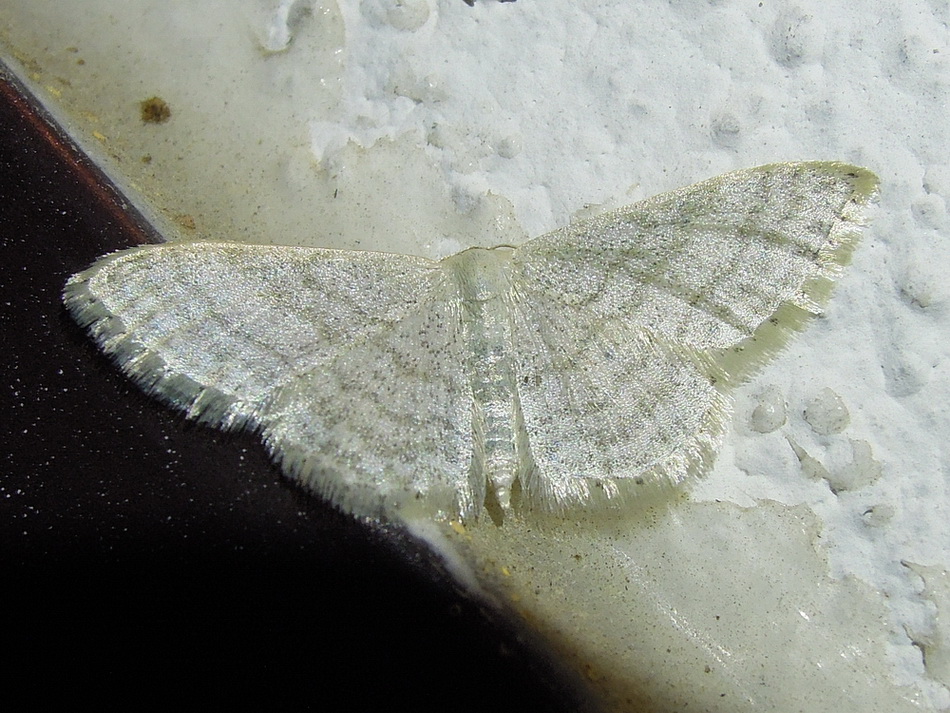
x: 458, y: 527
x: 54, y: 91
x: 505, y: 571
x: 98, y: 135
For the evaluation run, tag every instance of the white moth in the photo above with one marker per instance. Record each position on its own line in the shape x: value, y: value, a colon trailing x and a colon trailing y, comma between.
x: 587, y: 364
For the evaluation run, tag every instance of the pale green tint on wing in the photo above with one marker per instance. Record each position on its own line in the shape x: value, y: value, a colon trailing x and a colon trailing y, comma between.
x: 705, y: 265
x: 630, y: 326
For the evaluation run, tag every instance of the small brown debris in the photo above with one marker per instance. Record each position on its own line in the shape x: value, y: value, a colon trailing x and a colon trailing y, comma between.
x: 155, y: 110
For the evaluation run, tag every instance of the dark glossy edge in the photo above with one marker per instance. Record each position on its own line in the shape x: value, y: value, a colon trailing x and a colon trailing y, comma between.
x: 94, y: 181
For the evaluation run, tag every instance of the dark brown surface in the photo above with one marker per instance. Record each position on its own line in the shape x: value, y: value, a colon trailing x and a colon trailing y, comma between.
x: 149, y: 563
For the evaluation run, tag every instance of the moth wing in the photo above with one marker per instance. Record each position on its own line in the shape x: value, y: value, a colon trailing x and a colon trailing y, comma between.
x: 630, y: 326
x: 347, y: 362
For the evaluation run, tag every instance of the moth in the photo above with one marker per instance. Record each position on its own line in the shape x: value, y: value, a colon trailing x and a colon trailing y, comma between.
x: 587, y: 365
